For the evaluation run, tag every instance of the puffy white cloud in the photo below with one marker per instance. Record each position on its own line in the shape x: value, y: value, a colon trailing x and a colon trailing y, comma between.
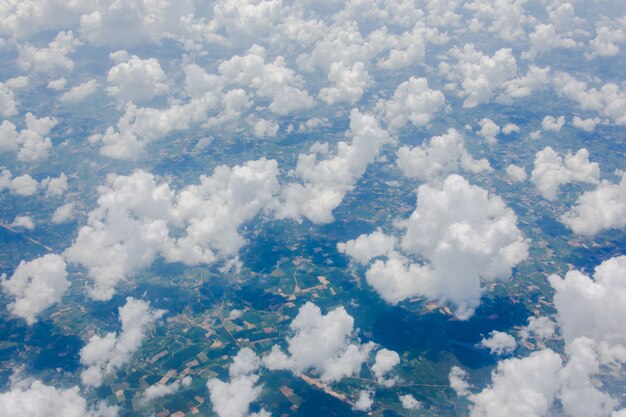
x: 58, y: 84
x: 8, y: 105
x: 499, y: 343
x: 606, y: 41
x: 409, y: 47
x: 535, y: 79
x: 552, y: 123
x: 23, y: 221
x: 23, y: 185
x: 264, y: 128
x: 505, y: 19
x: 588, y: 125
x: 349, y: 83
x: 245, y: 21
x: 320, y: 342
x: 594, y: 308
x: 233, y: 398
x: 479, y: 76
x: 600, y: 209
x: 368, y: 246
x: 275, y: 81
x: 103, y: 355
x: 80, y: 92
x: 442, y: 155
x: 489, y: 130
x: 365, y: 401
x: 137, y: 80
x: 327, y: 180
x: 161, y: 390
x: 541, y: 328
x: 409, y: 402
x: 516, y: 173
x: 36, y: 285
x: 462, y: 235
x: 55, y: 186
x: 35, y: 399
x: 551, y: 171
x: 124, y: 23
x: 139, y: 218
x: 458, y: 381
x: 63, y: 213
x: 413, y: 101
x: 50, y: 59
x: 385, y: 361
x: 578, y: 395
x: 31, y: 143
x: 520, y: 387
x: 609, y: 100
x: 510, y: 128
x: 546, y: 38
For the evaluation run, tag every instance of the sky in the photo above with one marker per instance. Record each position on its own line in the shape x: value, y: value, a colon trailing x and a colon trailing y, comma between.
x: 472, y: 109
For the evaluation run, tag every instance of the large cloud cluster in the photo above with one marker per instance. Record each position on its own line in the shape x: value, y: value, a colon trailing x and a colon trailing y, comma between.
x: 463, y: 234
x: 137, y: 215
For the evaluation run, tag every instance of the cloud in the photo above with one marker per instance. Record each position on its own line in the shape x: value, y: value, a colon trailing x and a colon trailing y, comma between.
x: 23, y: 221
x: 413, y: 101
x: 161, y: 390
x: 479, y: 75
x: 458, y: 381
x: 541, y: 328
x: 327, y: 180
x: 51, y: 59
x: 600, y: 209
x: 606, y: 41
x: 8, y: 105
x: 233, y: 398
x: 137, y: 80
x: 35, y: 286
x: 520, y: 387
x: 594, y: 308
x: 35, y: 399
x: 365, y: 401
x: 552, y: 123
x: 462, y: 236
x: 409, y: 402
x: 385, y: 361
x: 80, y: 92
x: 551, y: 171
x: 320, y: 342
x: 516, y: 173
x: 63, y: 213
x: 54, y: 186
x: 368, y: 246
x: 24, y: 185
x: 32, y: 142
x: 139, y: 217
x: 103, y: 355
x: 499, y: 343
x: 442, y: 155
x: 349, y: 84
x: 546, y: 38
x: 588, y: 125
x: 489, y: 130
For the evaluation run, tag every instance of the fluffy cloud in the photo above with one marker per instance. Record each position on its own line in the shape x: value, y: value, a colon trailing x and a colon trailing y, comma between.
x: 327, y: 180
x: 464, y: 236
x: 545, y: 38
x: 479, y: 76
x: 23, y: 221
x: 365, y: 401
x: 51, y: 59
x: 31, y: 143
x: 520, y: 387
x: 349, y: 83
x: 594, y: 308
x: 63, y: 213
x: 273, y: 81
x: 488, y: 130
x: 600, y: 209
x: 103, y: 355
x: 499, y: 343
x: 552, y: 123
x: 441, y: 156
x: 137, y: 80
x: 606, y: 41
x: 368, y: 246
x: 458, y: 381
x: 233, y: 398
x: 80, y: 92
x: 321, y: 342
x: 36, y: 286
x: 385, y: 361
x: 35, y: 399
x: 161, y: 390
x: 23, y: 185
x: 588, y: 125
x: 8, y: 105
x: 541, y: 328
x: 551, y: 171
x: 409, y: 402
x: 413, y: 101
x: 516, y: 173
x: 137, y: 217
